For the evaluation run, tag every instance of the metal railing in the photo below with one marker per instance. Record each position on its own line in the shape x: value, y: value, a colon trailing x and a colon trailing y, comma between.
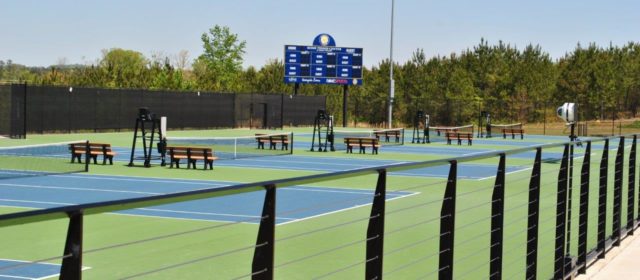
x: 564, y: 263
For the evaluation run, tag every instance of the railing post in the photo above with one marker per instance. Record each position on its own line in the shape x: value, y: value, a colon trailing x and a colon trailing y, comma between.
x: 602, y: 200
x: 263, y: 255
x: 447, y: 225
x: 533, y: 218
x: 497, y: 222
x: 583, y: 220
x: 375, y: 229
x: 617, y: 194
x: 72, y: 262
x: 561, y: 216
x: 631, y: 187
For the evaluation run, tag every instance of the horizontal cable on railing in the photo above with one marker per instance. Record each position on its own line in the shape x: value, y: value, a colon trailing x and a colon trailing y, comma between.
x: 28, y: 263
x: 402, y: 248
x: 387, y: 233
x: 339, y: 270
x: 409, y: 264
x: 459, y: 195
x: 476, y: 222
x: 416, y: 206
x: 426, y: 276
x: 518, y: 193
x: 194, y: 261
x: 323, y: 229
x: 324, y: 205
x: 159, y: 237
x: 465, y: 274
x: 423, y: 186
x: 475, y: 207
x: 484, y: 250
x: 252, y: 274
x: 324, y: 252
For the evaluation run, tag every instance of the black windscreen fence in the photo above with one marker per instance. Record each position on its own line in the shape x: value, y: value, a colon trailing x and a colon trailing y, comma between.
x: 66, y: 109
x: 12, y: 110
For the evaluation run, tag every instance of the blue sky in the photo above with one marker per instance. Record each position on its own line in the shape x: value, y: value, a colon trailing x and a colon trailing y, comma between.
x: 40, y: 33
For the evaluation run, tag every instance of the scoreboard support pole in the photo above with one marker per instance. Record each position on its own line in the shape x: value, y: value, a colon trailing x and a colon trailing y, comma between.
x: 345, y: 97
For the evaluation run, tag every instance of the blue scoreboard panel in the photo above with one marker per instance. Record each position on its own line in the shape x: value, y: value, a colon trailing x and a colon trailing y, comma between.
x: 322, y: 65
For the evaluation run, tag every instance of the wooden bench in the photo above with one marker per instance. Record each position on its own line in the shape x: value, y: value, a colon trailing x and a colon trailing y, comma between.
x: 362, y: 143
x: 273, y: 140
x: 513, y: 132
x: 459, y: 136
x: 388, y: 134
x: 192, y: 155
x: 95, y: 150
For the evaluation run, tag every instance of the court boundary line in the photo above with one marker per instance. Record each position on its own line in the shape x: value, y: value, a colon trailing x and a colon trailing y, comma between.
x: 344, y: 209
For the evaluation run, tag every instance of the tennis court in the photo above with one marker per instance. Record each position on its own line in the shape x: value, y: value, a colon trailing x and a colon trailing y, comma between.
x: 310, y: 217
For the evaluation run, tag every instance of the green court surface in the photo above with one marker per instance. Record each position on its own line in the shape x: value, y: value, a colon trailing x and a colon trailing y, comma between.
x: 330, y: 245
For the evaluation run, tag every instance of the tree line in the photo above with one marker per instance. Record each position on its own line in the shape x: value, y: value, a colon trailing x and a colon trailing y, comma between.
x: 512, y: 84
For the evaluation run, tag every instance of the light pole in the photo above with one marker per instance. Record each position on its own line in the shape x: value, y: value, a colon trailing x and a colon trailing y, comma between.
x: 391, y: 81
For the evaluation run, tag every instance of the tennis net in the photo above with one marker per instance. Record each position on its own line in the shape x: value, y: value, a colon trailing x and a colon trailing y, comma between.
x: 240, y: 147
x: 39, y: 160
x: 438, y: 133
x: 498, y: 128
x: 393, y: 136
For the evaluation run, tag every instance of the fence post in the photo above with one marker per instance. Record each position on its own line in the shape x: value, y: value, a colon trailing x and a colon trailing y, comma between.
x: 631, y: 187
x: 263, y: 255
x: 602, y: 200
x: 617, y: 194
x: 72, y: 262
x: 584, y: 210
x: 561, y: 216
x: 447, y: 225
x: 375, y: 229
x: 497, y: 222
x: 533, y: 218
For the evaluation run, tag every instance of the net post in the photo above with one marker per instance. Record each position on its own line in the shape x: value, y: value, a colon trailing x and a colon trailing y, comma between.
x: 602, y: 200
x: 263, y: 255
x: 561, y: 216
x: 584, y: 210
x: 447, y: 225
x: 235, y: 148
x: 497, y: 222
x: 631, y: 186
x: 291, y: 143
x: 87, y: 156
x: 72, y: 262
x: 533, y: 218
x: 617, y: 194
x: 375, y: 229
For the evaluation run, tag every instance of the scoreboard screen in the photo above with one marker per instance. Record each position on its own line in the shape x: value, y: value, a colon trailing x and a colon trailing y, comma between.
x: 322, y: 65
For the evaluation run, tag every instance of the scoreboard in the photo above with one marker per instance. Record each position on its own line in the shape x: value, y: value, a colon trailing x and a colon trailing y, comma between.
x: 322, y: 65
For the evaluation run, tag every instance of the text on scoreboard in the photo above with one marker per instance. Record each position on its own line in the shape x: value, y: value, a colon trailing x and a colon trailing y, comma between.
x: 322, y: 65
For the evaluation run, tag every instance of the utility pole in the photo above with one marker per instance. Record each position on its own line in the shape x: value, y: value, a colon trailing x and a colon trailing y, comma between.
x: 391, y: 81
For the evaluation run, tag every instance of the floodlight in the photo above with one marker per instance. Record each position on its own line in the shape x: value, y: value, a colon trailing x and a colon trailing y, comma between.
x: 567, y: 112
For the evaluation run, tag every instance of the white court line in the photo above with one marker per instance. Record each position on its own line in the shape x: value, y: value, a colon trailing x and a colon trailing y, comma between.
x: 19, y: 277
x: 36, y: 202
x: 31, y: 262
x: 134, y: 179
x: 334, y: 190
x: 314, y: 162
x: 507, y: 173
x: 75, y: 189
x: 341, y: 210
x: 203, y: 213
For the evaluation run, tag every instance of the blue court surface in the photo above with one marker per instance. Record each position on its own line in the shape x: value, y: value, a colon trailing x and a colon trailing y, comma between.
x: 332, y: 164
x: 16, y: 269
x: 294, y: 203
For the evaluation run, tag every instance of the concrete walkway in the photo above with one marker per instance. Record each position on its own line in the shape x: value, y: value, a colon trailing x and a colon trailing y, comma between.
x: 620, y: 263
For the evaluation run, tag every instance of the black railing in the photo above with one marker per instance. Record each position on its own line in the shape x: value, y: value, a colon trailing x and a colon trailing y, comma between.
x: 566, y: 262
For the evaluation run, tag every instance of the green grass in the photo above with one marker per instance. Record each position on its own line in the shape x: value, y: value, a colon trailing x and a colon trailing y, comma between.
x: 316, y: 246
